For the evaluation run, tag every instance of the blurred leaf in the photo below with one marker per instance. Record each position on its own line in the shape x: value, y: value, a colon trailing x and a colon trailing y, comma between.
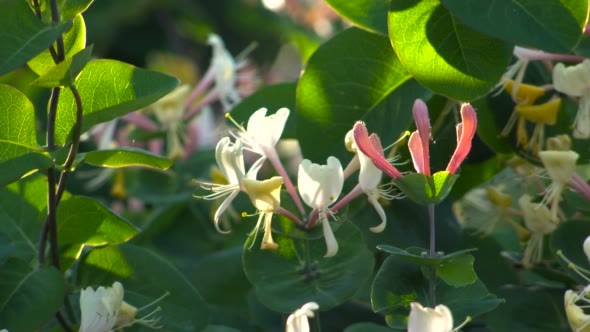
x: 569, y: 238
x: 458, y: 272
x: 74, y: 42
x: 556, y: 26
x: 284, y: 279
x: 399, y: 283
x: 272, y: 97
x: 17, y: 128
x: 83, y: 220
x: 335, y: 90
x: 29, y: 297
x: 16, y: 168
x: 23, y: 35
x: 110, y: 89
x: 367, y: 14
x: 490, y: 133
x: 420, y: 257
x: 146, y: 277
x: 444, y: 54
x: 367, y: 327
x: 126, y: 157
x: 66, y: 72
x: 532, y: 309
x: 71, y: 8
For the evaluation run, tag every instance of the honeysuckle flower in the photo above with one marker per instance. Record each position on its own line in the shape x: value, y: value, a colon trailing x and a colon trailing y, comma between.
x: 261, y: 136
x: 169, y: 111
x: 320, y: 186
x: 586, y: 247
x: 541, y: 115
x: 561, y: 166
x: 578, y: 320
x: 424, y: 319
x: 559, y: 143
x: 266, y: 197
x: 297, y: 321
x: 538, y: 219
x: 230, y: 160
x: 575, y: 81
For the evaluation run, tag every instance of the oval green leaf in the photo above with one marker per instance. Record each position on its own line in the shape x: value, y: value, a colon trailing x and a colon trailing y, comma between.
x: 458, y: 271
x: 109, y: 89
x: 74, y: 42
x: 66, y: 72
x: 18, y: 128
x: 146, y: 277
x: 284, y: 280
x: 345, y: 79
x: 23, y: 35
x: 16, y: 168
x: 83, y: 220
x: 424, y: 189
x: 553, y: 26
x: 126, y: 157
x: 367, y: 14
x: 444, y: 54
x: 29, y: 297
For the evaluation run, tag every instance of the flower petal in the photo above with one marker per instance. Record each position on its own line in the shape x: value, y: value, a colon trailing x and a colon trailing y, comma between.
x: 420, y: 112
x: 365, y: 144
x: 222, y: 208
x: 465, y: 132
x: 379, y: 228
x: 331, y: 243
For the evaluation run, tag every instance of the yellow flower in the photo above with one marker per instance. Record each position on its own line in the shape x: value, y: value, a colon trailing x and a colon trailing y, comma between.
x: 266, y: 197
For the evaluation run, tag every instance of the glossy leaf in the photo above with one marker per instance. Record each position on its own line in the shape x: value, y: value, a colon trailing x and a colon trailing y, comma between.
x: 83, y: 220
x: 110, y: 89
x: 426, y: 190
x: 146, y: 277
x: 66, y: 72
x: 126, y: 157
x: 335, y: 90
x: 554, y: 26
x: 367, y: 14
x: 74, y: 42
x: 16, y: 168
x: 29, y: 297
x: 399, y: 283
x: 23, y: 35
x: 271, y: 97
x: 444, y: 54
x: 283, y: 279
x: 17, y: 127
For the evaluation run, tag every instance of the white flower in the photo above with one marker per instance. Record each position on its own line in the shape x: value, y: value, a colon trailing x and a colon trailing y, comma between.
x: 587, y: 247
x: 266, y: 197
x: 538, y: 219
x: 224, y: 66
x: 423, y: 319
x: 263, y: 132
x: 297, y: 321
x: 561, y: 166
x: 320, y: 186
x: 100, y: 308
x: 577, y: 319
x: 575, y: 81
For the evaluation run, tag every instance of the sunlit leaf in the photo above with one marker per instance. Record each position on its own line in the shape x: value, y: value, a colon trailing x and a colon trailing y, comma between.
x: 126, y: 157
x: 367, y: 14
x: 14, y: 169
x: 66, y: 72
x: 17, y: 127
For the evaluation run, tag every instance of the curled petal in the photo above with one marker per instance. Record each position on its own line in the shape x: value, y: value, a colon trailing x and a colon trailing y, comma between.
x: 379, y: 228
x: 267, y: 241
x: 366, y: 145
x: 331, y: 243
x: 222, y: 209
x: 465, y: 132
x: 420, y: 112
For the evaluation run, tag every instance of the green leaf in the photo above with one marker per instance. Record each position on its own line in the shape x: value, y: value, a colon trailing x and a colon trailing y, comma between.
x: 424, y: 189
x: 284, y: 279
x: 367, y: 327
x: 71, y: 8
x: 458, y: 272
x: 126, y: 157
x: 21, y: 166
x: 17, y: 127
x: 74, y: 41
x: 66, y: 72
x: 554, y: 26
x: 569, y: 239
x: 420, y: 256
x: 444, y: 54
x: 271, y: 97
x: 84, y: 220
x: 367, y: 14
x: 23, y: 35
x: 110, y: 89
x: 399, y: 283
x: 146, y: 277
x: 29, y: 297
x: 335, y: 90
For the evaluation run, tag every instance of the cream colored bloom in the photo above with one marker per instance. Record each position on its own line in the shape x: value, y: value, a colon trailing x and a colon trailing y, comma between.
x: 297, y: 321
x: 561, y: 166
x: 266, y: 197
x: 225, y: 68
x: 575, y: 81
x: 586, y: 247
x: 577, y: 319
x: 538, y: 219
x: 423, y: 319
x: 169, y: 111
x: 320, y: 186
x: 100, y: 308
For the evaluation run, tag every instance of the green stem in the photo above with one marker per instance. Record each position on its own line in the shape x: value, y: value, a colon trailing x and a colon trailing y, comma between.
x: 432, y: 253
